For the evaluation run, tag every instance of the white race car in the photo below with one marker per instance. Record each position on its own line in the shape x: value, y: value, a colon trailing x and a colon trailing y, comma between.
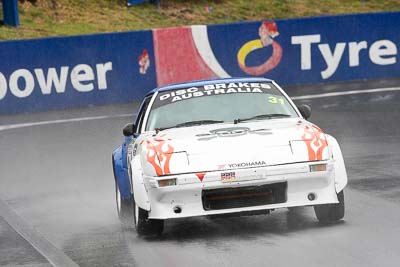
x: 224, y: 147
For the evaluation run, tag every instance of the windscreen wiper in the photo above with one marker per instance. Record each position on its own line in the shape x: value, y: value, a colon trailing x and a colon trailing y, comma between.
x: 262, y: 116
x: 190, y: 123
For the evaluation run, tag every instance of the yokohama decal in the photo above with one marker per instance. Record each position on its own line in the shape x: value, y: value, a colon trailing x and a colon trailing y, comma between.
x: 316, y: 142
x: 159, y: 153
x: 267, y: 31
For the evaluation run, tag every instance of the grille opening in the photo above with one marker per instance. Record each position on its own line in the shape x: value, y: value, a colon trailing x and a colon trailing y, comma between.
x: 247, y: 196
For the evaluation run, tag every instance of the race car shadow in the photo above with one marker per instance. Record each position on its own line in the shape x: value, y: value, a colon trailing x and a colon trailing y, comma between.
x: 280, y: 222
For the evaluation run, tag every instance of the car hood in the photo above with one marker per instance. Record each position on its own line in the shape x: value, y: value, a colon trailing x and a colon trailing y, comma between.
x: 229, y: 146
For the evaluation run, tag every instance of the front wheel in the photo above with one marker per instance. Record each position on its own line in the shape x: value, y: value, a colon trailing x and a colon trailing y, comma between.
x: 145, y: 226
x: 330, y: 213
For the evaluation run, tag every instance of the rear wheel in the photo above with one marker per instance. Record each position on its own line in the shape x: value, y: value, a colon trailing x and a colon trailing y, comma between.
x: 330, y: 213
x: 124, y: 208
x: 144, y: 225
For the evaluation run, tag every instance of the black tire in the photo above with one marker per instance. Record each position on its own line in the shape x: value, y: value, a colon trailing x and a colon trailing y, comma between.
x: 145, y: 226
x: 124, y: 206
x: 331, y: 213
x: 124, y: 209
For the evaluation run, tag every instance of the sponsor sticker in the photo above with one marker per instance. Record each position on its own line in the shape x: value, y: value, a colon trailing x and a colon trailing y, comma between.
x: 248, y: 164
x: 227, y: 177
x: 230, y: 132
x: 173, y: 96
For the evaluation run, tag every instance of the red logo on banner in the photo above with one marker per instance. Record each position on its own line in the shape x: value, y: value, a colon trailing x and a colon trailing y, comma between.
x: 267, y: 32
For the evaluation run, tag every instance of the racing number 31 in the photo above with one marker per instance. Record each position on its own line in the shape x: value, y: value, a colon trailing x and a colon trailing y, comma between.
x: 275, y: 100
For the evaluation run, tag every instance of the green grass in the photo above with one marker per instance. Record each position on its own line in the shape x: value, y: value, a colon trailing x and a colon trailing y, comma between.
x: 74, y: 17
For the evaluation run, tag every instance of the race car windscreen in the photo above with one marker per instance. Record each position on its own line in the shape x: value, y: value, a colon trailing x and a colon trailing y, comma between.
x: 225, y: 102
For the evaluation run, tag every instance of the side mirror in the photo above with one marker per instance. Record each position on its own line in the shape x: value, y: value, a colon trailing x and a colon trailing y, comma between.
x: 128, y: 129
x: 305, y: 111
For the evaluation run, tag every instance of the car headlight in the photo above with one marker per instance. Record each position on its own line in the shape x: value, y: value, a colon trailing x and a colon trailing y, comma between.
x: 167, y: 182
x: 151, y: 182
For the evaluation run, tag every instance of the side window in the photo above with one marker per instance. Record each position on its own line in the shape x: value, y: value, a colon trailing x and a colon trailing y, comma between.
x: 142, y: 112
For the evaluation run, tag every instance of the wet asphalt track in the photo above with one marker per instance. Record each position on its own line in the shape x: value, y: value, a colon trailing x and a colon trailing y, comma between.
x: 58, y: 178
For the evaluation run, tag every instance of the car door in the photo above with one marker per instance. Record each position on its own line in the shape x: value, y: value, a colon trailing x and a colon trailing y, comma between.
x: 120, y: 162
x: 136, y: 130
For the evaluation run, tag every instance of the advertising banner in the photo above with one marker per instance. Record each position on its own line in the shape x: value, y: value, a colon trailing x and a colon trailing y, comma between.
x: 38, y: 75
x: 294, y: 51
x: 56, y: 73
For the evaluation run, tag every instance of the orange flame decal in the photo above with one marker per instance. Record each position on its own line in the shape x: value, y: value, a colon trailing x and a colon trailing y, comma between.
x: 315, y: 141
x: 159, y: 153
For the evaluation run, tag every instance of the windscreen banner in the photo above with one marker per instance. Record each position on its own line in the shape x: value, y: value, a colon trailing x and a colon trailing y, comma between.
x: 56, y: 73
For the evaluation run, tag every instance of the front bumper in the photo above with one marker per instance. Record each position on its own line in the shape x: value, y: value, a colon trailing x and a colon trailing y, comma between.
x: 187, y: 194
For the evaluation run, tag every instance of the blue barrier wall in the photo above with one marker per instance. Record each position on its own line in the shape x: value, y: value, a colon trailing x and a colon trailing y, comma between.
x: 358, y: 36
x: 94, y: 69
x: 54, y: 73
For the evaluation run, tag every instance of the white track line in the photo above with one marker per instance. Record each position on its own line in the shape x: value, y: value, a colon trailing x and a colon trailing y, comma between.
x: 30, y: 124
x: 55, y: 256
x: 353, y: 92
